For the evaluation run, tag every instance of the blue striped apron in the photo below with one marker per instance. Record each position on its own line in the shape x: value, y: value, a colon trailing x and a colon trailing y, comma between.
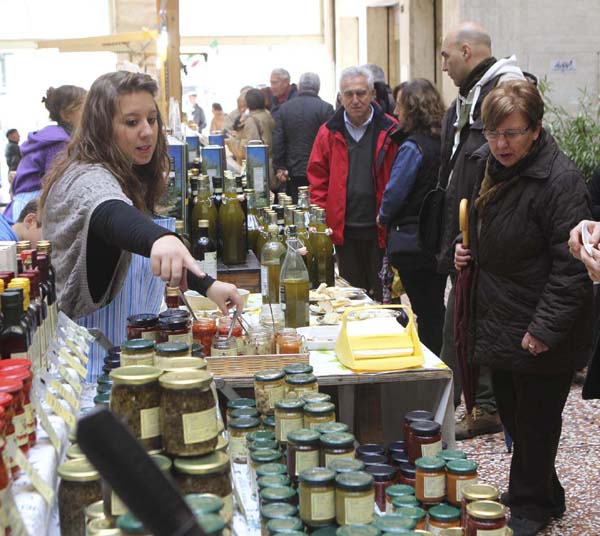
x: 142, y: 292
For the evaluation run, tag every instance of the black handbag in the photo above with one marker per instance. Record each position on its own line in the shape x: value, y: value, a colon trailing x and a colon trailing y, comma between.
x: 402, y: 239
x: 431, y: 220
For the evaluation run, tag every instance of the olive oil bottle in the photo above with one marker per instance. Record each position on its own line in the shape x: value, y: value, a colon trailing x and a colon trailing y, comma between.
x: 271, y: 258
x: 204, y: 209
x: 232, y: 224
x: 323, y: 270
x: 294, y: 283
x: 252, y: 222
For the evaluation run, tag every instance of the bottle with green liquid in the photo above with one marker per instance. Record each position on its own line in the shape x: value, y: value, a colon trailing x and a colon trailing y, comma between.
x: 204, y: 209
x: 271, y: 259
x: 323, y: 271
x: 294, y: 283
x: 232, y: 224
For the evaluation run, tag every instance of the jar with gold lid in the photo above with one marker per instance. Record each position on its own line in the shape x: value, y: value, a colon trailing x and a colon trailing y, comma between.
x: 101, y: 527
x: 317, y: 496
x: 79, y: 487
x: 483, y: 517
x: 336, y: 445
x: 477, y: 492
x: 289, y: 416
x: 316, y: 413
x: 459, y: 475
x: 94, y: 511
x: 354, y: 498
x: 238, y: 431
x: 188, y: 413
x: 298, y: 384
x: 207, y: 474
x: 302, y: 451
x: 175, y: 364
x: 74, y: 452
x: 312, y: 396
x: 137, y: 352
x: 135, y: 398
x: 430, y: 487
x: 443, y: 516
x: 269, y: 387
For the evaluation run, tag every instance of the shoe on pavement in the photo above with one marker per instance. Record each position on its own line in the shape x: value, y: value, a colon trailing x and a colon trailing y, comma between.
x: 525, y: 527
x: 557, y: 512
x: 482, y: 423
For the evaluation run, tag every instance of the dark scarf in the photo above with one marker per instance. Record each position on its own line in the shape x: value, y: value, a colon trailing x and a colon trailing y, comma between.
x: 476, y: 75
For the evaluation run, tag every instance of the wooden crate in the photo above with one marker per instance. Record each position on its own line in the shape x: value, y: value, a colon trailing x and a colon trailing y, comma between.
x: 245, y: 366
x: 245, y: 275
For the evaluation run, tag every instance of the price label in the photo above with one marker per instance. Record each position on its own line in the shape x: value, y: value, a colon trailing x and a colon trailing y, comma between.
x: 60, y: 410
x: 73, y: 362
x: 43, y: 488
x: 65, y: 394
x: 46, y: 425
x: 72, y: 381
x: 77, y: 351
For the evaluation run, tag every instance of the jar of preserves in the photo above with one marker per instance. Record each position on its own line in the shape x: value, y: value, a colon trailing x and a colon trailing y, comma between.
x: 418, y: 515
x: 273, y: 481
x: 302, y: 451
x: 332, y: 427
x: 335, y: 446
x: 176, y: 327
x: 354, y: 498
x: 430, y: 487
x: 20, y: 373
x: 289, y: 341
x: 449, y: 455
x: 394, y: 524
x: 207, y: 474
x: 374, y: 459
x: 395, y: 447
x: 262, y: 457
x: 409, y: 418
x: 298, y: 368
x: 79, y: 487
x: 396, y: 490
x: 203, y: 331
x: 317, y: 413
x: 144, y: 326
x: 290, y: 526
x: 345, y: 465
x: 268, y: 423
x: 317, y: 496
x: 368, y: 449
x: 476, y: 492
x: 289, y: 416
x: 14, y: 387
x: 245, y: 412
x: 175, y: 364
x: 8, y: 429
x: 275, y: 511
x: 271, y: 469
x: 202, y: 504
x: 223, y: 325
x: 269, y: 387
x: 399, y: 458
x: 407, y: 474
x: 74, y: 452
x: 357, y: 530
x: 384, y: 476
x: 239, y: 403
x: 135, y: 398
x: 311, y: 396
x: 238, y: 431
x: 425, y: 440
x: 443, y: 516
x: 263, y: 444
x: 137, y: 352
x: 458, y: 531
x: 404, y: 500
x: 188, y: 413
x: 298, y: 384
x: 102, y: 399
x: 281, y: 494
x: 94, y: 511
x: 485, y: 517
x: 259, y: 342
x: 171, y: 350
x: 260, y: 434
x: 459, y: 474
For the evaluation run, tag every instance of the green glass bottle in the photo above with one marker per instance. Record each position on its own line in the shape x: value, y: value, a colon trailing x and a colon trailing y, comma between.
x: 322, y: 252
x: 271, y: 258
x: 304, y: 237
x: 294, y: 283
x: 252, y: 221
x: 263, y: 237
x: 232, y: 224
x: 204, y: 209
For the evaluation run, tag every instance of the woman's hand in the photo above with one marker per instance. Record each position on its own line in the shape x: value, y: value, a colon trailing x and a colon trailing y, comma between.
x: 169, y: 257
x: 225, y: 295
x: 532, y: 345
x: 462, y: 257
x: 592, y: 263
x: 576, y: 237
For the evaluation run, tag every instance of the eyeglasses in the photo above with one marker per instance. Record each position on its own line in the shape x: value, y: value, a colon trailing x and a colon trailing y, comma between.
x: 360, y: 93
x: 509, y: 134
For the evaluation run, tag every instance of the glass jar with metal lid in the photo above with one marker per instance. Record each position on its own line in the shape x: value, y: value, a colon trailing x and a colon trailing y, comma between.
x: 259, y: 434
x: 430, y: 487
x: 102, y: 399
x: 396, y: 490
x: 443, y: 516
x: 137, y: 352
x: 483, y: 517
x: 273, y: 481
x: 275, y: 511
x: 345, y: 465
x: 417, y: 514
x: 449, y: 455
x: 188, y: 413
x: 74, y: 452
x: 204, y: 503
x: 222, y: 444
x: 409, y: 418
x: 268, y: 423
x: 302, y: 451
x: 171, y: 349
x: 239, y: 403
x: 332, y: 427
x: 369, y: 449
x: 262, y: 457
x: 287, y: 525
x: 207, y: 474
x: 101, y: 527
x: 269, y: 387
x: 459, y: 475
x: 425, y: 439
x: 477, y: 492
x: 311, y: 396
x: 289, y: 416
x: 263, y: 444
x: 298, y: 384
x: 212, y: 524
x: 357, y: 530
x: 222, y: 346
x: 317, y: 496
x: 94, y: 511
x: 238, y: 430
x: 129, y: 524
x: 404, y: 500
x: 336, y: 445
x: 407, y: 474
x: 175, y: 326
x: 458, y: 531
x: 285, y: 494
x: 144, y: 326
x: 384, y: 476
x: 396, y: 446
x: 271, y: 468
x: 245, y: 412
x: 79, y: 487
x: 394, y: 524
x: 135, y: 398
x: 298, y: 368
x: 175, y: 364
x: 354, y: 498
x: 317, y: 413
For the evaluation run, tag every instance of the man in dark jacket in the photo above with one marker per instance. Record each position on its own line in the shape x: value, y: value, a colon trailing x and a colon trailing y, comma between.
x: 296, y: 126
x: 282, y: 89
x: 348, y: 170
x: 467, y: 58
x: 12, y: 151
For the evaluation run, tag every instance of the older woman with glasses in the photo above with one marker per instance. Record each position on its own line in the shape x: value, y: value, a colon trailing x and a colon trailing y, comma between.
x: 531, y: 300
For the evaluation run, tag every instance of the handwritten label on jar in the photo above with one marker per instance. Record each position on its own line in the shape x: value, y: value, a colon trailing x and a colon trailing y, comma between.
x: 431, y: 449
x: 289, y: 425
x: 322, y: 505
x: 329, y: 457
x: 199, y: 426
x: 117, y: 507
x: 461, y: 484
x: 359, y: 510
x: 306, y: 460
x: 150, y: 422
x: 434, y: 486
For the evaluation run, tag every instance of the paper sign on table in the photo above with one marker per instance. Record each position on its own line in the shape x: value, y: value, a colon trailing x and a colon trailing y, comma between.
x: 65, y: 394
x: 43, y: 488
x: 73, y: 362
x: 46, y: 425
x: 72, y: 381
x: 77, y: 351
x: 60, y: 410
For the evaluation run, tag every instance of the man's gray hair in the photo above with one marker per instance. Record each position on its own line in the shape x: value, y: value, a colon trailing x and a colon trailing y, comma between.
x: 378, y: 74
x: 353, y: 72
x: 281, y: 73
x: 309, y: 82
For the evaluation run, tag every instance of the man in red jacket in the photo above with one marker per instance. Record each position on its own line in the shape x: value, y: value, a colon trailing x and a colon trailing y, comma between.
x: 348, y: 169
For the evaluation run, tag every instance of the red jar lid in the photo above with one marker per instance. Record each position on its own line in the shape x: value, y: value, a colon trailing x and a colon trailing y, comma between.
x: 5, y: 400
x: 9, y: 364
x: 10, y: 385
x: 15, y: 374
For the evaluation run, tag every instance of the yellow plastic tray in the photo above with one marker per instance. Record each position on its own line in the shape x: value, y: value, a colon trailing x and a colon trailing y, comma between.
x: 376, y: 345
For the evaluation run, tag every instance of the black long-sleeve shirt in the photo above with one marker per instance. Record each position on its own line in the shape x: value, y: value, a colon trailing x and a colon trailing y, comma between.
x: 115, y: 226
x: 594, y: 186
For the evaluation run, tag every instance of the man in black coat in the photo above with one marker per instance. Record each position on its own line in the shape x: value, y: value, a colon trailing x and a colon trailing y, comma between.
x: 283, y: 90
x: 296, y: 126
x: 12, y: 152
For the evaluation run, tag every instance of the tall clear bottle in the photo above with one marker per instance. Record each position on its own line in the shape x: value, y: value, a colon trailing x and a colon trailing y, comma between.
x: 322, y: 252
x: 252, y: 221
x: 232, y: 224
x: 271, y: 258
x: 304, y: 237
x: 204, y: 209
x: 263, y: 237
x: 294, y: 283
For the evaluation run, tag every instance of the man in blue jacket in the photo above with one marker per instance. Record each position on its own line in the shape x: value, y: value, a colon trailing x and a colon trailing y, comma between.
x: 26, y: 227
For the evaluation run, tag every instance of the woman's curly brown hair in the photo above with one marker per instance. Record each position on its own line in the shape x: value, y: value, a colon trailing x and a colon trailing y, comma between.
x: 422, y: 106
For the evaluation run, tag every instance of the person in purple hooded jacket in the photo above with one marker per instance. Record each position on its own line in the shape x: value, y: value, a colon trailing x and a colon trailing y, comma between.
x: 38, y: 152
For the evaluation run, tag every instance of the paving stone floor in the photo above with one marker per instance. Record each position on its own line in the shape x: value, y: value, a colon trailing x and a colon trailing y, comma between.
x: 578, y: 465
